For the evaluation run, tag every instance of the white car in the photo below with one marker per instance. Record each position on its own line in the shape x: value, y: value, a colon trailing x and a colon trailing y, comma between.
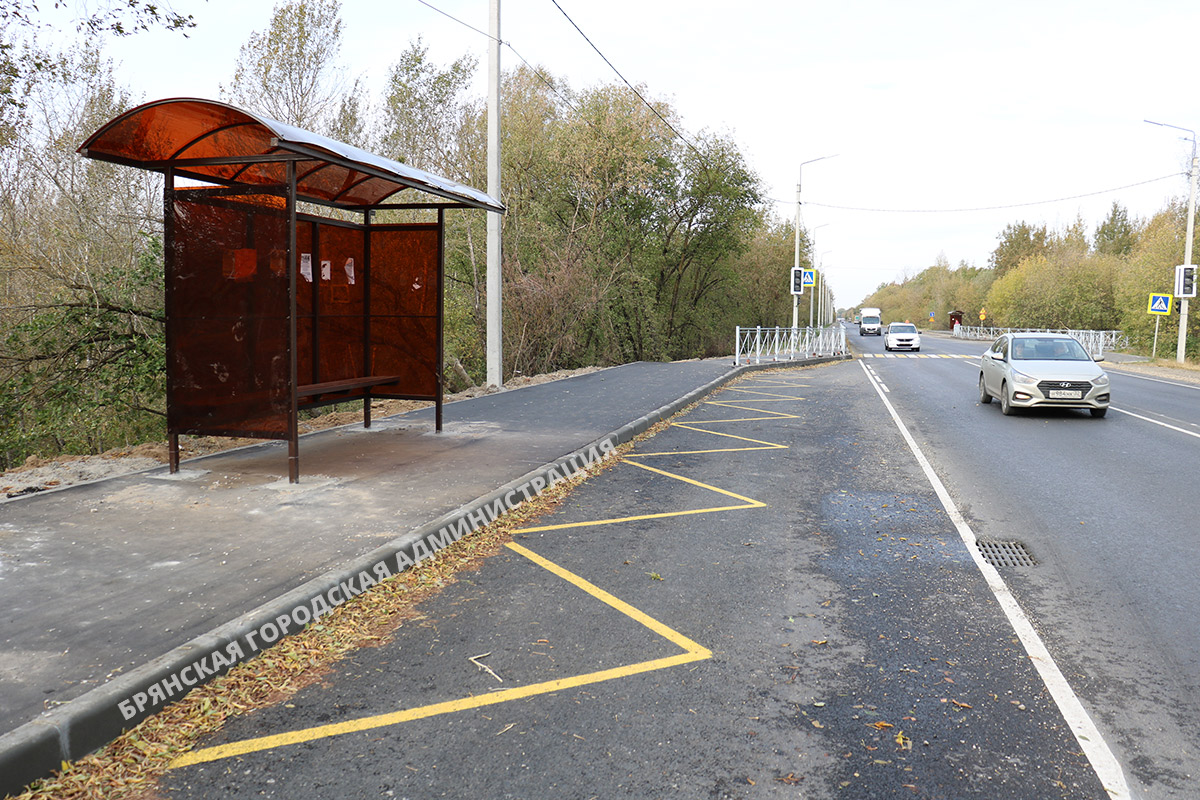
x: 1026, y: 370
x: 902, y: 336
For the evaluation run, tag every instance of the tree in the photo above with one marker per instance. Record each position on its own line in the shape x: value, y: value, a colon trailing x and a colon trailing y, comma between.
x: 290, y: 73
x: 1116, y: 236
x: 1018, y: 241
x: 763, y: 275
x: 424, y: 109
x: 116, y: 17
x: 21, y: 60
x: 81, y: 287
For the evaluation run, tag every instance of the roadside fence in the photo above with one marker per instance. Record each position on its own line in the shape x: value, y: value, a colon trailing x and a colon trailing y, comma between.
x: 1095, y: 342
x: 759, y: 345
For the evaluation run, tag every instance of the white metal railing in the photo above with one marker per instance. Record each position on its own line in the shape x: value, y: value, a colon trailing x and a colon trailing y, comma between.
x: 758, y: 345
x: 1095, y: 342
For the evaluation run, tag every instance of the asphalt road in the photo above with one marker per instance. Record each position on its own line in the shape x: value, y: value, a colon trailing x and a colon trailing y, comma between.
x: 1105, y: 507
x: 785, y: 609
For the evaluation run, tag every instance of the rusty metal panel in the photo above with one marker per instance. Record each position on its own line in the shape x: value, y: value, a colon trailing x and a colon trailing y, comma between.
x: 404, y: 308
x: 227, y: 307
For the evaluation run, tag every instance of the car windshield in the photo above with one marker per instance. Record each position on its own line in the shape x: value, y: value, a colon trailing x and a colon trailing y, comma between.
x: 871, y: 320
x: 902, y: 329
x: 1048, y: 349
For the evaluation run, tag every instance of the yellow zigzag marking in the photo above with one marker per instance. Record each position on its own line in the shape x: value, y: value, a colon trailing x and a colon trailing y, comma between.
x: 691, y: 650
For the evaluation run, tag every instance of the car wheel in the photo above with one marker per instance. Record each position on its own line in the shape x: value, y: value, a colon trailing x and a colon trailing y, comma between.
x: 1006, y: 406
x: 1099, y: 412
x: 916, y: 349
x: 984, y: 397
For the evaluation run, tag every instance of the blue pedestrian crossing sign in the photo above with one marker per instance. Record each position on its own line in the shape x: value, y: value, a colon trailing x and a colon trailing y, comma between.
x: 810, y: 277
x: 1159, y: 304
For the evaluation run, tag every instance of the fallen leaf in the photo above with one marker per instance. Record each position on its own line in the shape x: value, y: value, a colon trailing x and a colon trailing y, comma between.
x: 881, y: 725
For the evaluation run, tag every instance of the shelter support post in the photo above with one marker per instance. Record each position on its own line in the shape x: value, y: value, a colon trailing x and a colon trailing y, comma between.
x: 293, y: 364
x: 441, y: 312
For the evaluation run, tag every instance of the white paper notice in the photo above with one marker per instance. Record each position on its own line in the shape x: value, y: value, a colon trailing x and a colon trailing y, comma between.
x: 350, y: 270
x: 306, y: 266
x: 326, y: 270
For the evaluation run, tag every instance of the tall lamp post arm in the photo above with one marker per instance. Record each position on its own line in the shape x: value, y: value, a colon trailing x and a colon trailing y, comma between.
x: 796, y: 264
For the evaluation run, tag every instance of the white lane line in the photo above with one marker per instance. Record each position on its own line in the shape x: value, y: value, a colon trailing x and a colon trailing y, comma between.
x: 1105, y: 764
x: 1157, y: 422
x: 878, y: 379
x: 1180, y: 384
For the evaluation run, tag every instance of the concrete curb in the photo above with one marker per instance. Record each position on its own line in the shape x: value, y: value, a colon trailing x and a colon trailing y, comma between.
x: 71, y: 731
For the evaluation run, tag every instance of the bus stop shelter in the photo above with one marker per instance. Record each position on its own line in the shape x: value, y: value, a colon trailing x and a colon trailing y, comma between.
x: 269, y: 310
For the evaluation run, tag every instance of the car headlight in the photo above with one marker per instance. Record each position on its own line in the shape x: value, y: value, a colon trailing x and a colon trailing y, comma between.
x: 1021, y: 377
x: 1101, y: 381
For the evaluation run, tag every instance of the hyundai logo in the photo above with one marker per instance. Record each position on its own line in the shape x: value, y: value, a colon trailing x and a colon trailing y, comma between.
x: 1065, y: 384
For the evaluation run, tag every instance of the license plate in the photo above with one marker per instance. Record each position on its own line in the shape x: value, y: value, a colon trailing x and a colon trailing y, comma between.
x: 1065, y: 394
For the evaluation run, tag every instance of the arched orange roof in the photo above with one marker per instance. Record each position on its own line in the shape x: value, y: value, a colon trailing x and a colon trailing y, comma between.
x: 215, y: 142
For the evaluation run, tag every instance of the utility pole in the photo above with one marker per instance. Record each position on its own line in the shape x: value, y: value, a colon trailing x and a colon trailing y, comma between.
x: 796, y: 297
x: 1181, y: 347
x: 495, y: 308
x: 1193, y: 171
x: 820, y: 275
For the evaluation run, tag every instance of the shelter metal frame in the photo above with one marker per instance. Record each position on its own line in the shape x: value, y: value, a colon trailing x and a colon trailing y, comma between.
x: 242, y: 262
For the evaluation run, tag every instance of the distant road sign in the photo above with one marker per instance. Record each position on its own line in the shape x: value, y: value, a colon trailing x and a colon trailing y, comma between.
x: 1159, y: 304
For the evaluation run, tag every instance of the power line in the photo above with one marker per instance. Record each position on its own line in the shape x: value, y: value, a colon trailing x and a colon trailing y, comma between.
x: 555, y: 90
x: 617, y: 72
x: 448, y: 15
x: 983, y: 208
x: 538, y: 73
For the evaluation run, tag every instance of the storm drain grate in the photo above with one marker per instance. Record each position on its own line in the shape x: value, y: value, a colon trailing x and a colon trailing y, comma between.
x: 1006, y: 554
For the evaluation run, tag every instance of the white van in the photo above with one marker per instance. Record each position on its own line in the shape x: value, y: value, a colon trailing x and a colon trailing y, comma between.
x: 872, y: 322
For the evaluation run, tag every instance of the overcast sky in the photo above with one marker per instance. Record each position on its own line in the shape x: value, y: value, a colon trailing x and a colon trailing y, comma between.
x: 930, y: 106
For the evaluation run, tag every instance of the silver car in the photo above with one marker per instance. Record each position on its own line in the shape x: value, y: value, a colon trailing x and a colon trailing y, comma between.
x: 1026, y: 370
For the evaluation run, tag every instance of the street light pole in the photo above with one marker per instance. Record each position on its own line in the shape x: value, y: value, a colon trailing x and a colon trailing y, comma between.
x: 795, y: 298
x: 495, y: 280
x: 1193, y: 171
x: 810, y: 300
